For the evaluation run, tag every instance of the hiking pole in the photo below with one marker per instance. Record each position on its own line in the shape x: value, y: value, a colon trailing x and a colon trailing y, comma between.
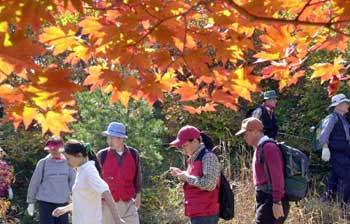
x: 295, y: 136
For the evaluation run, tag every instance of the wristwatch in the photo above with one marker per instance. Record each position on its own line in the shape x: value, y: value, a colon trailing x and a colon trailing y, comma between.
x: 278, y: 202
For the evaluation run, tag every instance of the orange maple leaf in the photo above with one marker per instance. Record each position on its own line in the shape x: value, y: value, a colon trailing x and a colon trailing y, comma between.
x: 153, y: 86
x: 60, y: 38
x: 208, y: 107
x: 16, y: 54
x: 187, y: 91
x: 326, y: 71
x: 277, y: 43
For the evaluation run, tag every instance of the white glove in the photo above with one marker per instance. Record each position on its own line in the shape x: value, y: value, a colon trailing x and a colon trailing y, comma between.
x: 326, y: 154
x: 10, y: 193
x: 30, y: 209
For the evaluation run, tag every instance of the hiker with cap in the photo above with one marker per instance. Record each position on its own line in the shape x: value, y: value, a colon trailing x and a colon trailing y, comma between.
x: 272, y: 207
x: 201, y: 179
x: 334, y: 138
x: 51, y: 184
x: 121, y: 169
x: 266, y: 113
x: 88, y: 189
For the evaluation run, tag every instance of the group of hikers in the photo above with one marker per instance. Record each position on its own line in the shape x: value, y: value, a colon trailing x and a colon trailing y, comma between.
x: 106, y: 187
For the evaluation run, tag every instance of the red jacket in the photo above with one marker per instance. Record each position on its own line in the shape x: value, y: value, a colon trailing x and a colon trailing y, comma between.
x: 120, y: 176
x: 200, y: 202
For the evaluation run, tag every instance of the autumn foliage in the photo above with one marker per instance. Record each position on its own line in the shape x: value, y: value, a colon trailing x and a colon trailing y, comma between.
x: 208, y: 52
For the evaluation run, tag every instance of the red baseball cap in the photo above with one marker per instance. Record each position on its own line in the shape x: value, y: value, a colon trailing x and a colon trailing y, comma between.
x: 186, y: 133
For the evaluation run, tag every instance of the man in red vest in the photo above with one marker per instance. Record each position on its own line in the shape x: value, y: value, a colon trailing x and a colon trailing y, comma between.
x: 201, y: 179
x: 122, y: 171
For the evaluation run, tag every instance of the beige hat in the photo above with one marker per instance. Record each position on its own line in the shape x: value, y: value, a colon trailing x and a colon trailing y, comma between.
x: 250, y: 124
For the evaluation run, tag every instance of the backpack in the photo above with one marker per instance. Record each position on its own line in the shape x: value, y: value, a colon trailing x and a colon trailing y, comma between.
x: 316, y: 132
x: 251, y: 110
x: 226, y: 195
x: 296, y: 171
x: 104, y: 155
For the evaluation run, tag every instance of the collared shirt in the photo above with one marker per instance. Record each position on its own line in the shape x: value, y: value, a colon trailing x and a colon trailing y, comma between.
x: 120, y: 159
x: 328, y: 125
x: 211, y: 171
x: 87, y: 195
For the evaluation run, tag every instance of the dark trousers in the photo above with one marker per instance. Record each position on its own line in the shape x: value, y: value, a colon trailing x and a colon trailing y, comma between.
x: 45, y: 211
x: 213, y: 219
x: 264, y: 213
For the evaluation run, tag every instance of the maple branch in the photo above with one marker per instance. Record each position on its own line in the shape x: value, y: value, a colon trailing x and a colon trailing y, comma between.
x: 303, y: 9
x: 162, y: 21
x: 320, y: 2
x: 148, y: 12
x: 254, y: 17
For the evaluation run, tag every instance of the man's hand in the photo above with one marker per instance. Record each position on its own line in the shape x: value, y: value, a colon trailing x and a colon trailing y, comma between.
x: 138, y: 200
x: 326, y: 154
x: 277, y: 210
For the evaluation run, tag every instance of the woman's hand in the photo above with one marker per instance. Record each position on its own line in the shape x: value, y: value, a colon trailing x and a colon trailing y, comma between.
x: 174, y: 171
x: 62, y: 210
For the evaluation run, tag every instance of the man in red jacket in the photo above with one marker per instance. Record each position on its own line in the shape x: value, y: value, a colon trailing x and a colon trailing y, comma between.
x: 271, y: 206
x: 122, y: 171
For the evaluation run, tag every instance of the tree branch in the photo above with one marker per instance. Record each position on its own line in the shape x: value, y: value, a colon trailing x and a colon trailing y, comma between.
x: 303, y: 9
x: 162, y: 21
x: 253, y: 17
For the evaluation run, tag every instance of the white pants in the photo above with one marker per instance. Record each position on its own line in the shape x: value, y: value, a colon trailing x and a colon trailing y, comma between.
x: 126, y: 210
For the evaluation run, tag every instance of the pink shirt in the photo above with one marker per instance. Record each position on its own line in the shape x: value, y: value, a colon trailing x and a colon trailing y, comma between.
x: 274, y: 161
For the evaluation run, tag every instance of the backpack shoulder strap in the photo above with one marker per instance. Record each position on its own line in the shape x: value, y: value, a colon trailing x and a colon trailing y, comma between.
x: 43, y: 171
x: 202, y: 153
x: 336, y: 117
x: 103, y: 156
x: 134, y: 154
x: 261, y: 156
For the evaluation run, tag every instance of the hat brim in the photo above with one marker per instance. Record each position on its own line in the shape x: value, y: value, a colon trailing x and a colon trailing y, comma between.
x: 270, y: 98
x: 337, y: 103
x: 106, y: 133
x: 176, y: 143
x: 59, y: 149
x: 240, y: 132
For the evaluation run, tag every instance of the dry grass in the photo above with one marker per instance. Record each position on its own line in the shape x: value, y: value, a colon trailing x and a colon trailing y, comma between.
x: 309, y: 211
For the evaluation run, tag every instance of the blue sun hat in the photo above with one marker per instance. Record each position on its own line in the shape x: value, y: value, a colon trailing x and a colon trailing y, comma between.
x: 338, y: 99
x: 116, y: 129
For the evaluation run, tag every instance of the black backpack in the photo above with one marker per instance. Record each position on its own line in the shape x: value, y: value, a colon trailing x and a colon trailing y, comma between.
x: 249, y: 113
x: 226, y: 195
x: 296, y: 170
x: 226, y: 199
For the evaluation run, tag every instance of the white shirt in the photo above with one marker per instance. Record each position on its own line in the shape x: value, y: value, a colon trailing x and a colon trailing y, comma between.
x: 87, y: 195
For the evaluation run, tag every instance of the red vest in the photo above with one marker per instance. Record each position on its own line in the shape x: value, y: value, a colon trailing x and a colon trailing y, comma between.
x: 200, y: 202
x: 120, y: 177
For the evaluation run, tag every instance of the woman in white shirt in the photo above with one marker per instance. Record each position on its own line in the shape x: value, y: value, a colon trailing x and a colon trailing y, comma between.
x: 89, y: 188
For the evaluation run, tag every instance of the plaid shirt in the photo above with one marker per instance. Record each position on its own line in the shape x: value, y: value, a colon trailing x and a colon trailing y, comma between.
x: 211, y: 171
